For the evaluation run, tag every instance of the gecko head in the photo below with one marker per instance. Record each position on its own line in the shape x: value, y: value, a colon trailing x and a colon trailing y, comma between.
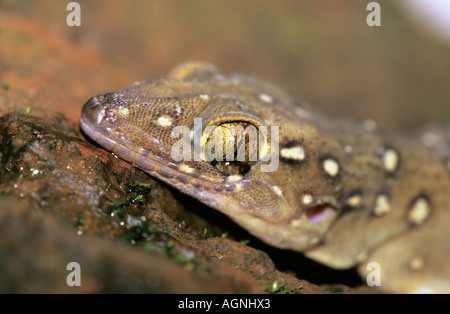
x: 178, y: 129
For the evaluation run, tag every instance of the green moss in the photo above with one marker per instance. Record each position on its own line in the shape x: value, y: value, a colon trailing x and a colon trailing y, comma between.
x: 118, y: 208
x: 296, y: 289
x: 170, y: 250
x: 138, y: 199
x: 138, y: 192
x: 205, y: 233
x: 80, y: 222
x: 209, y: 234
x: 152, y: 238
x: 272, y: 288
x: 136, y: 183
x: 144, y: 232
x: 148, y: 247
x: 244, y: 242
x: 280, y: 288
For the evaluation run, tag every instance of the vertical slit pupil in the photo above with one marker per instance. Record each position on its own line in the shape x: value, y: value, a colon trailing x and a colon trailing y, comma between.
x: 240, y: 141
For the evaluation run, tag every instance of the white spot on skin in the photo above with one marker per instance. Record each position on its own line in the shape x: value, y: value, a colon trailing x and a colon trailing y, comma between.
x: 295, y: 153
x: 419, y: 211
x: 142, y: 151
x: 277, y: 190
x: 331, y: 167
x: 382, y: 205
x: 165, y: 121
x: 390, y: 160
x: 204, y: 97
x: 185, y: 168
x: 307, y: 199
x: 124, y: 111
x: 234, y: 178
x: 348, y: 149
x: 416, y: 263
x: 296, y: 222
x: 354, y: 200
x: 265, y: 98
x: 238, y: 187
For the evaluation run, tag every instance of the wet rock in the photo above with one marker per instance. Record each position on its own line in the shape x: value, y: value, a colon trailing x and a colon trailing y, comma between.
x: 36, y: 250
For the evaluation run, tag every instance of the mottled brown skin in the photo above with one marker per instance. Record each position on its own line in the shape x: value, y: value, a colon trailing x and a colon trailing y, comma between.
x: 323, y: 199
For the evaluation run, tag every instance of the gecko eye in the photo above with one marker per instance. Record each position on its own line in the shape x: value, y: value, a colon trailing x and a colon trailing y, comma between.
x: 232, y: 147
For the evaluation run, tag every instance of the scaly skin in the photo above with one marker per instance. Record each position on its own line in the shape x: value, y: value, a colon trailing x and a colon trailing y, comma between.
x: 343, y: 193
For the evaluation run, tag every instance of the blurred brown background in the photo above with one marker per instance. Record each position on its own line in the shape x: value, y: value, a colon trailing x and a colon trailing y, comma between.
x: 322, y: 51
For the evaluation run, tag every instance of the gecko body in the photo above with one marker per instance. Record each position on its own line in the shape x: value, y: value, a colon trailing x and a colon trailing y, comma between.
x: 342, y: 192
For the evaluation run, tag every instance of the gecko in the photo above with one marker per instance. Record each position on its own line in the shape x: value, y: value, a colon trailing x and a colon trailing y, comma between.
x: 344, y: 193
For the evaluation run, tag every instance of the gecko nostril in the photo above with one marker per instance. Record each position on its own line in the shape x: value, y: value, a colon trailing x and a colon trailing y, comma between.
x: 110, y: 113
